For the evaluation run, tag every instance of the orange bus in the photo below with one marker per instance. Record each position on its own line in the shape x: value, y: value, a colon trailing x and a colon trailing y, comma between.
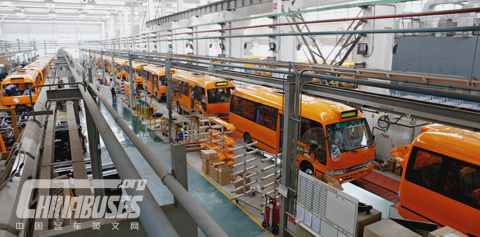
x: 193, y: 90
x: 22, y: 79
x: 441, y: 178
x: 120, y: 64
x: 335, y: 139
x: 137, y: 72
x: 154, y: 80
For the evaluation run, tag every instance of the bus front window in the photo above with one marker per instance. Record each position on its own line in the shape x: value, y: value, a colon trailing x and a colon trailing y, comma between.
x: 219, y: 95
x: 348, y: 135
x: 138, y: 72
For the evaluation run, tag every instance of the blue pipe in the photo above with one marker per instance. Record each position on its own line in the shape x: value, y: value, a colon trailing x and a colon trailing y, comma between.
x: 392, y: 31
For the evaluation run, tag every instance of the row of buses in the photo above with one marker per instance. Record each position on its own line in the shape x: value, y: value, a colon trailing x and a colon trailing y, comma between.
x: 441, y: 178
x: 335, y: 138
x: 16, y: 86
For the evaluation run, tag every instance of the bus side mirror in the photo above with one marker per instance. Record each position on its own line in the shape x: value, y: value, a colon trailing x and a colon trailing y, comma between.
x: 175, y: 90
x: 312, y: 143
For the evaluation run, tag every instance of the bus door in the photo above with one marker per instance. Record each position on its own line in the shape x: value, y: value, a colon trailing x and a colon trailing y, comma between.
x: 199, y: 100
x: 155, y: 84
x: 312, y: 146
x: 184, y: 93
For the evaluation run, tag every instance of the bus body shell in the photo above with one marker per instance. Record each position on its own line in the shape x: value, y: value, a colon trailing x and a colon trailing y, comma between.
x: 441, y: 178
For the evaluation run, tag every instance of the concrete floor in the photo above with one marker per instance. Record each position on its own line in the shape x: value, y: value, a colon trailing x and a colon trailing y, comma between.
x: 232, y: 218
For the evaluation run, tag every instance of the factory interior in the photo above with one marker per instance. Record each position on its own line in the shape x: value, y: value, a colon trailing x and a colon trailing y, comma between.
x: 331, y: 118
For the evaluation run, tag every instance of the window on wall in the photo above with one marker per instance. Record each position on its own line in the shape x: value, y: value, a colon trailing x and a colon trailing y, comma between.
x: 267, y: 116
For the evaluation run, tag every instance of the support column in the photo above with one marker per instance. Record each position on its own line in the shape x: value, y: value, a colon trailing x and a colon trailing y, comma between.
x: 103, y: 65
x: 287, y: 156
x: 169, y: 97
x: 164, y: 7
x: 113, y: 68
x: 150, y: 10
x: 93, y: 145
x: 132, y: 20
x: 179, y: 166
x: 131, y: 82
x: 179, y: 5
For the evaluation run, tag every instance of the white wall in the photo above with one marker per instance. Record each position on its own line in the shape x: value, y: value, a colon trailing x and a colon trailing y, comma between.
x: 50, y: 36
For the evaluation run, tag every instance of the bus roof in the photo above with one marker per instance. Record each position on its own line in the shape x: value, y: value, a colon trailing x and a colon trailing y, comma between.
x: 450, y: 141
x: 324, y: 111
x: 136, y: 64
x: 201, y: 80
x: 21, y: 74
x: 155, y: 69
x: 120, y: 60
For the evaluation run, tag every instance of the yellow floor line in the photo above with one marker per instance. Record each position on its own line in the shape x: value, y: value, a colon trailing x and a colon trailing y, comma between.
x: 214, y: 184
x: 219, y: 189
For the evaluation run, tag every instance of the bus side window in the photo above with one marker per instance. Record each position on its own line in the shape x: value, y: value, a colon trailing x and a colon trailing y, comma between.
x: 424, y: 169
x: 463, y: 183
x: 200, y: 94
x: 185, y: 89
x: 248, y: 109
x: 155, y: 79
x: 267, y: 116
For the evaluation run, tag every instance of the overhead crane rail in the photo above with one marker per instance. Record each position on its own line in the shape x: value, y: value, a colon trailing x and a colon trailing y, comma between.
x: 454, y: 116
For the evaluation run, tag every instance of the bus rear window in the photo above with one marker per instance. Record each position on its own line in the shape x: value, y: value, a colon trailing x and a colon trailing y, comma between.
x: 219, y: 95
x: 444, y: 175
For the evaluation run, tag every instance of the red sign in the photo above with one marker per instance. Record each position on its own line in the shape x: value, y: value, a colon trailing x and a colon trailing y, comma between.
x: 292, y: 220
x: 275, y: 6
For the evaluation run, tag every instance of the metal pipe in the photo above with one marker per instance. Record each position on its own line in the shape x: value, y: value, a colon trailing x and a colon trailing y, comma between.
x: 383, y: 31
x: 203, y: 220
x: 152, y: 217
x: 460, y: 11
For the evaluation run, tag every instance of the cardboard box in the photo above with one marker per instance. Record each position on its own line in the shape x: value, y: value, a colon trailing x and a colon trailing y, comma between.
x: 386, y: 228
x: 399, y: 170
x: 208, y: 155
x: 241, y: 183
x: 223, y: 174
x: 329, y: 180
x: 446, y: 231
x: 212, y: 168
x: 205, y: 169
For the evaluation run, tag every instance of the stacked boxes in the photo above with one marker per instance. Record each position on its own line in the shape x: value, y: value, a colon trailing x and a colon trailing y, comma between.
x: 213, y: 168
x: 223, y: 175
x: 207, y: 156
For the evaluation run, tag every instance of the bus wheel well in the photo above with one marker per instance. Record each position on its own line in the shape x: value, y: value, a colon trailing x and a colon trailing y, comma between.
x: 307, y: 167
x: 247, y: 139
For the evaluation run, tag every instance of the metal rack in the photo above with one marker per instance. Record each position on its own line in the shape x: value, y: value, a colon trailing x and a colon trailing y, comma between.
x: 243, y: 171
x: 274, y: 174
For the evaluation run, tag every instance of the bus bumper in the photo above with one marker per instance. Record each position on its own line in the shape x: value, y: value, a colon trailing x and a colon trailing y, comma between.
x: 354, y: 175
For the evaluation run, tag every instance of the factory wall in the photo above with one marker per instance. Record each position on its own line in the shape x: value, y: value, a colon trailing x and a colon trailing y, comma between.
x: 50, y: 36
x: 439, y: 55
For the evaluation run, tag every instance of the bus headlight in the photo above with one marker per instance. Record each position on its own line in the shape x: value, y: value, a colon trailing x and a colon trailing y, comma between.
x: 369, y: 163
x: 335, y: 172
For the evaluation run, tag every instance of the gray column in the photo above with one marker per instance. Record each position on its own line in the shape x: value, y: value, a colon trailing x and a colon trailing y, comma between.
x: 287, y: 147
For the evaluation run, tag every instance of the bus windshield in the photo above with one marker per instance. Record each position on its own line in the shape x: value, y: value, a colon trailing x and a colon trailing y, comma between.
x: 17, y: 89
x: 219, y: 95
x: 349, y: 135
x: 138, y: 72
